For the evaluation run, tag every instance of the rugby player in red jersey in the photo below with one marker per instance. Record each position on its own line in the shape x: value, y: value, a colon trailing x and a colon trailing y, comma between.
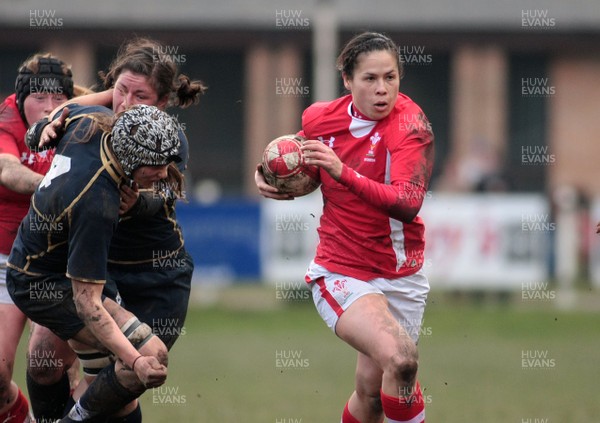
x: 375, y: 151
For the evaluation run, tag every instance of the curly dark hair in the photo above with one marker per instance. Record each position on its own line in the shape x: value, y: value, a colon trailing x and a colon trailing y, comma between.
x: 145, y: 56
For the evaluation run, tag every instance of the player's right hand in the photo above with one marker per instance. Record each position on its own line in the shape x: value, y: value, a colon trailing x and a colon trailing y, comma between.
x: 129, y: 196
x: 51, y: 131
x: 150, y: 372
x: 267, y: 190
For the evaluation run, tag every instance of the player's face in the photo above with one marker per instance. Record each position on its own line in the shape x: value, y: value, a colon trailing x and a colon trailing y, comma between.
x: 38, y: 105
x: 134, y: 88
x: 374, y: 84
x: 148, y: 176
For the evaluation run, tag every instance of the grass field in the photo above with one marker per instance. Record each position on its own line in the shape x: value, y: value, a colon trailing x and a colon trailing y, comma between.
x: 251, y: 358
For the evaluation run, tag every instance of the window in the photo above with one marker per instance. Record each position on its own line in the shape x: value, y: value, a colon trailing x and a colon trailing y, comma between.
x: 529, y: 89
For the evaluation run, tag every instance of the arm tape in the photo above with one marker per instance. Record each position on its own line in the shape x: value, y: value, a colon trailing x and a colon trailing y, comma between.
x: 137, y: 332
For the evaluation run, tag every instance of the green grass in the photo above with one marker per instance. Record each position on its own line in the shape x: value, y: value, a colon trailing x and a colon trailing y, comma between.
x: 472, y: 365
x: 225, y: 369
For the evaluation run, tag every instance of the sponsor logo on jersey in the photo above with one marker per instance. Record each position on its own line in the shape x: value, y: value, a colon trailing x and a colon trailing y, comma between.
x: 329, y: 142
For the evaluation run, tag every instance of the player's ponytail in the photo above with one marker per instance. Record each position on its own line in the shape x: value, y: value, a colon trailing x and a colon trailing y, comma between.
x: 187, y: 92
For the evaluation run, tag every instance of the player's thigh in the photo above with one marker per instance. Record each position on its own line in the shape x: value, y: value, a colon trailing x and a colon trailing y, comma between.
x: 369, y: 327
x: 158, y: 297
x: 406, y: 298
x: 12, y: 319
x: 13, y: 322
x: 357, y: 311
x: 47, y: 300
x: 333, y: 293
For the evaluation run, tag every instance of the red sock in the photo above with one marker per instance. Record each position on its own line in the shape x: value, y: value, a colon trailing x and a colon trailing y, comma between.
x: 347, y: 417
x: 404, y: 410
x: 18, y: 412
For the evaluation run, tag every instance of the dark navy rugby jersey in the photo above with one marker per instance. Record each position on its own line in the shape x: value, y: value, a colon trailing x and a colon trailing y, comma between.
x: 141, y: 239
x: 75, y: 209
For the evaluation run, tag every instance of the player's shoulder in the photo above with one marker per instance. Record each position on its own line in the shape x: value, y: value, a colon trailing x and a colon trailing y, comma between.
x: 76, y: 110
x: 324, y: 111
x: 184, y: 150
x: 10, y: 118
x: 406, y: 110
x: 90, y: 195
x: 405, y: 104
x: 81, y: 117
x: 409, y: 120
x: 9, y: 104
x: 321, y: 108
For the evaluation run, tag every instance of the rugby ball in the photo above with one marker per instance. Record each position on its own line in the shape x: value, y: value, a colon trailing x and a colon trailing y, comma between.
x: 284, y: 168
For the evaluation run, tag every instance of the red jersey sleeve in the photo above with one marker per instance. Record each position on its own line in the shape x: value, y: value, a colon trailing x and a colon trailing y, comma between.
x: 11, y: 127
x: 409, y: 141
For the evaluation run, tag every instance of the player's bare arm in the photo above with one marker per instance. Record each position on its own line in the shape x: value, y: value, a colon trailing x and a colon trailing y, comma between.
x: 16, y: 177
x: 102, y: 98
x: 88, y: 301
x: 318, y: 154
x: 53, y: 129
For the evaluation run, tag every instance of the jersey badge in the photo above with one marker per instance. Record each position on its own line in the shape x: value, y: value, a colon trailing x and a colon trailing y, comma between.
x: 340, y: 291
x: 370, y: 157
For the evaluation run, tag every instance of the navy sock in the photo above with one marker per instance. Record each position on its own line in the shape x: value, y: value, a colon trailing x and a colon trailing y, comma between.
x: 104, y: 397
x: 68, y: 406
x: 48, y: 401
x: 134, y: 417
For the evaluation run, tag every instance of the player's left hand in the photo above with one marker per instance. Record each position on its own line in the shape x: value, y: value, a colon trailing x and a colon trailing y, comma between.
x: 318, y: 154
x: 54, y: 128
x: 129, y: 196
x: 267, y: 190
x: 150, y: 372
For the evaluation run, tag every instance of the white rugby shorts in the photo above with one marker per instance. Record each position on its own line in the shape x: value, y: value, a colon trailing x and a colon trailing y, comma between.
x: 4, y: 297
x: 333, y: 293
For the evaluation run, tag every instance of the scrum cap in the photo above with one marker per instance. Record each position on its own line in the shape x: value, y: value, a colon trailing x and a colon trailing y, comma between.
x: 50, y: 78
x: 145, y: 136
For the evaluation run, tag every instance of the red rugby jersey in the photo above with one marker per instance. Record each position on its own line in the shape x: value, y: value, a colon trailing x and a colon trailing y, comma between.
x: 14, y: 206
x: 369, y: 227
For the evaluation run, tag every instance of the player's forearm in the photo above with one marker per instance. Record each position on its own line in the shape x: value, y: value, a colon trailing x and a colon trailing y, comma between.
x: 102, y: 98
x: 91, y: 311
x: 16, y: 177
x: 401, y: 201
